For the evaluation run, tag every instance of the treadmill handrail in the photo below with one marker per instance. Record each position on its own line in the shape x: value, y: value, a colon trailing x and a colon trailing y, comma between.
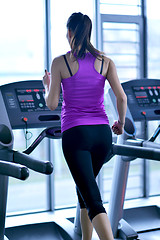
x: 13, y: 170
x: 141, y: 143
x: 34, y: 164
x: 134, y: 151
x: 51, y: 132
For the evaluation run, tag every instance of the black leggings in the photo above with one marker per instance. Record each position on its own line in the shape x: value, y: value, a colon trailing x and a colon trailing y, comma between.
x: 85, y: 149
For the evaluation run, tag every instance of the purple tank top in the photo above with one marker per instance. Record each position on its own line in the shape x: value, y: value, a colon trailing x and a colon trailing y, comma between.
x: 83, y: 96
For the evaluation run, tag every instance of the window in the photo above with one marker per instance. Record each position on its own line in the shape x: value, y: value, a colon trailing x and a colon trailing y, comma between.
x: 121, y: 42
x: 59, y: 41
x: 22, y: 48
x: 120, y: 7
x: 153, y: 20
x: 22, y: 40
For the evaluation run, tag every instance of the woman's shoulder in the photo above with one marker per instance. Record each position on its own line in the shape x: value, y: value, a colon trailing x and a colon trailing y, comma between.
x: 60, y: 58
x: 106, y: 59
x: 109, y: 62
x: 58, y: 61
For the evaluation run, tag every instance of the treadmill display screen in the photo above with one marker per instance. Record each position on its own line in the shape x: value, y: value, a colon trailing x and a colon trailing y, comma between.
x: 147, y: 95
x: 31, y: 99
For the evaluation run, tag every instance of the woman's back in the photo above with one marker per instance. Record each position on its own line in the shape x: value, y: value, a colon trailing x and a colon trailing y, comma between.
x: 83, y: 94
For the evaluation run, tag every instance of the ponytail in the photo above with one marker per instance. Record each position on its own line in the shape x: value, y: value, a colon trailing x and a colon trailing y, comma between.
x: 81, y: 27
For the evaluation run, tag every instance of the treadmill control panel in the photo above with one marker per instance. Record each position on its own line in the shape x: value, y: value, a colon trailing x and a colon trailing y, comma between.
x: 143, y: 96
x: 25, y: 99
x: 28, y: 99
x: 147, y: 95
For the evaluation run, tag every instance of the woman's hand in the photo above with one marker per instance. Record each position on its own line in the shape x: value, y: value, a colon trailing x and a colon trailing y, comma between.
x: 46, y: 79
x: 117, y: 127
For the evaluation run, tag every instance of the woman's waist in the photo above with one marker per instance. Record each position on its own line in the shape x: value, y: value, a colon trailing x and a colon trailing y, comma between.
x: 90, y: 108
x: 82, y: 113
x: 68, y: 122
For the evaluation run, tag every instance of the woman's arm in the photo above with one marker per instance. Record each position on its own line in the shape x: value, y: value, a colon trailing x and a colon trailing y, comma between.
x: 121, y: 98
x: 52, y: 85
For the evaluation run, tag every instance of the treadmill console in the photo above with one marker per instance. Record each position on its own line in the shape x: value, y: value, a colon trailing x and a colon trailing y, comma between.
x: 25, y: 100
x: 143, y: 96
x: 147, y: 96
x: 31, y: 99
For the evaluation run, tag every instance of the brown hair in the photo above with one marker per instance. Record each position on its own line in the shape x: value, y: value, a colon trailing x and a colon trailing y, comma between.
x: 81, y: 26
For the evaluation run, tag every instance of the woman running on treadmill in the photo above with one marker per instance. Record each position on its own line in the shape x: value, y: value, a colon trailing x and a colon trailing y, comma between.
x: 86, y: 134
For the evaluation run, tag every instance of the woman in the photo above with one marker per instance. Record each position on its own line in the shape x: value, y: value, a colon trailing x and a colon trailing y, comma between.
x: 86, y: 135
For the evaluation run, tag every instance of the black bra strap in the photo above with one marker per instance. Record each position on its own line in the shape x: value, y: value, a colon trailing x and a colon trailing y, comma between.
x: 68, y: 65
x: 102, y: 65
